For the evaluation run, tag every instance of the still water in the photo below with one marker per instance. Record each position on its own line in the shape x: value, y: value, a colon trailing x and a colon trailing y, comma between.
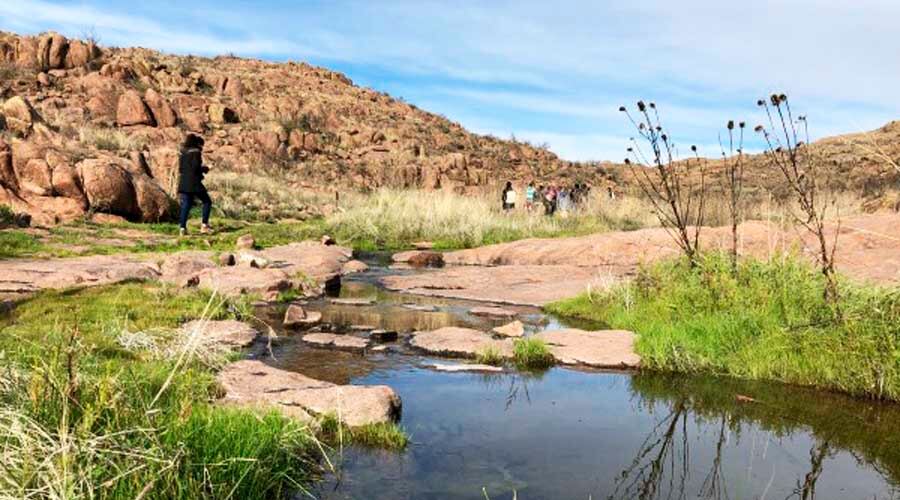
x: 567, y: 433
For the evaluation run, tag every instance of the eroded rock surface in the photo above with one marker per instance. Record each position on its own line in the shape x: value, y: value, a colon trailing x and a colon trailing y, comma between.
x: 252, y: 383
x: 514, y: 329
x: 459, y: 342
x: 533, y: 285
x: 27, y: 276
x: 348, y: 342
x: 598, y: 349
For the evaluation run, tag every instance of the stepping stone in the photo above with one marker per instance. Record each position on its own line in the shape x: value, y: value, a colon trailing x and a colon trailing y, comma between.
x: 380, y: 348
x: 383, y: 335
x: 599, y: 349
x: 420, y: 307
x: 254, y: 384
x: 353, y: 302
x: 296, y: 316
x: 492, y: 312
x: 362, y: 328
x: 420, y: 258
x: 338, y: 341
x: 354, y: 266
x: 453, y: 368
x: 462, y: 342
x: 514, y: 329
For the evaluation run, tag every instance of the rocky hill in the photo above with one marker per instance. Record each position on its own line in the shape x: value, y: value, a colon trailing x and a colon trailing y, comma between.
x: 95, y: 130
x: 88, y: 130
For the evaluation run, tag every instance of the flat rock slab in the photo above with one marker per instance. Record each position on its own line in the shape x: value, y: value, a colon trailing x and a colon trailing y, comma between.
x: 229, y: 333
x: 337, y: 341
x: 492, y: 312
x: 531, y: 285
x: 184, y: 268
x: 420, y: 258
x: 21, y: 277
x: 235, y: 281
x: 354, y: 266
x: 514, y: 329
x: 598, y: 349
x: 353, y: 302
x: 453, y: 368
x: 252, y: 383
x: 460, y: 342
x: 311, y: 259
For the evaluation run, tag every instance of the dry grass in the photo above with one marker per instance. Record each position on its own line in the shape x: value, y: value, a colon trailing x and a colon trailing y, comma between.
x: 266, y: 197
x: 109, y: 139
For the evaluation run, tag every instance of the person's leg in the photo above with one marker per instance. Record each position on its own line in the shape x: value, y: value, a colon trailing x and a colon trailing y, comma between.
x: 207, y: 207
x: 185, y: 200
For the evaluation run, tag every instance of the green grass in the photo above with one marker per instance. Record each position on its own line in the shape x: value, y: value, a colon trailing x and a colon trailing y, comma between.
x: 490, y: 356
x: 17, y: 243
x: 388, y: 436
x: 532, y: 354
x: 119, y: 424
x: 767, y: 322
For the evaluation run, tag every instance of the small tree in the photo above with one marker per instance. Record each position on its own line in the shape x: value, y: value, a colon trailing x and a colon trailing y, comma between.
x: 733, y: 182
x: 805, y: 173
x: 678, y: 204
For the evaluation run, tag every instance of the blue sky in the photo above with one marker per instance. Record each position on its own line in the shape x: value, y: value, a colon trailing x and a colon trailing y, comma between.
x: 549, y: 72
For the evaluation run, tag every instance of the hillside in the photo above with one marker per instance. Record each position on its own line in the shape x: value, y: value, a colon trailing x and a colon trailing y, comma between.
x: 92, y: 130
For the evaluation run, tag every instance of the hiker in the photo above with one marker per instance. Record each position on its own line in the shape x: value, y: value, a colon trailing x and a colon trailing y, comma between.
x: 190, y: 182
x: 550, y: 200
x: 564, y: 200
x: 509, y: 197
x: 529, y: 197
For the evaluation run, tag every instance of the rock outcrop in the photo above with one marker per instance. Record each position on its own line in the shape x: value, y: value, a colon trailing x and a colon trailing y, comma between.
x: 253, y: 384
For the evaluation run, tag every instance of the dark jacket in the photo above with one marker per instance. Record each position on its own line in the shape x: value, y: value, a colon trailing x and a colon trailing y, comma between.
x: 190, y: 171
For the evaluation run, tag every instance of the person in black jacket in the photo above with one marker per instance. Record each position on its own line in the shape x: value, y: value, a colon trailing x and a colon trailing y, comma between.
x: 190, y: 181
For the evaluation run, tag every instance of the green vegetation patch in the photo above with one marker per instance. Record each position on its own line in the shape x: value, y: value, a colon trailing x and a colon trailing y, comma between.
x: 532, y: 354
x: 383, y: 435
x: 768, y: 321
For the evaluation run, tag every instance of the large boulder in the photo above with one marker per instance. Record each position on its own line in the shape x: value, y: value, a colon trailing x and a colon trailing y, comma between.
x: 234, y: 88
x: 35, y: 178
x: 162, y: 111
x: 52, y: 50
x: 108, y: 187
x: 80, y: 54
x: 20, y: 115
x: 131, y: 110
x: 153, y: 203
x: 64, y: 178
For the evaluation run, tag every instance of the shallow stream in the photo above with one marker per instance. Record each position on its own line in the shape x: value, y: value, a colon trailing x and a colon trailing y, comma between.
x: 570, y: 433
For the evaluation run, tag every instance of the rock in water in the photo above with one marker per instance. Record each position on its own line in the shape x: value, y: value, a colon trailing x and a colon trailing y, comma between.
x: 354, y: 266
x: 251, y: 384
x: 464, y: 342
x: 514, y: 329
x: 295, y: 316
x: 599, y: 349
x: 452, y: 368
x: 492, y: 312
x: 338, y: 341
x: 383, y: 335
x: 420, y: 258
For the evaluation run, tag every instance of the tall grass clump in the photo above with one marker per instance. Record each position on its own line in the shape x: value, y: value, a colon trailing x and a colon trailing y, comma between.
x: 395, y: 219
x: 769, y: 320
x: 490, y: 356
x: 532, y: 354
x: 86, y: 414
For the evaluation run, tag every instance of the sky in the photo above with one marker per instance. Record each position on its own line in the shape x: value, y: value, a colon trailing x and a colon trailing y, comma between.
x: 551, y: 73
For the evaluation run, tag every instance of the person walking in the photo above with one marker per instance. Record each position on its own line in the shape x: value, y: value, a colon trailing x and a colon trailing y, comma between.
x: 529, y: 197
x: 509, y: 197
x: 190, y: 182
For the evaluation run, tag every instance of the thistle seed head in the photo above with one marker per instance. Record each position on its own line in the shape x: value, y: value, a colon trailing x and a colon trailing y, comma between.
x: 730, y: 125
x: 742, y: 124
x: 641, y: 106
x: 759, y: 128
x: 622, y: 109
x: 693, y: 148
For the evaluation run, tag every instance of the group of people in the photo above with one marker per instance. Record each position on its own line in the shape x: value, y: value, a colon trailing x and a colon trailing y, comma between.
x: 552, y: 198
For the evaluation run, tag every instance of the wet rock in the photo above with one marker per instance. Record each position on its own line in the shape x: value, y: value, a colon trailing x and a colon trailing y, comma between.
x: 599, y: 349
x: 254, y: 384
x: 295, y: 316
x: 420, y: 258
x: 453, y: 368
x: 514, y: 329
x: 492, y: 312
x: 354, y: 266
x: 380, y: 348
x: 228, y: 333
x: 463, y: 342
x: 327, y: 240
x: 245, y: 242
x: 383, y: 335
x: 227, y: 259
x: 352, y: 302
x: 337, y: 341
